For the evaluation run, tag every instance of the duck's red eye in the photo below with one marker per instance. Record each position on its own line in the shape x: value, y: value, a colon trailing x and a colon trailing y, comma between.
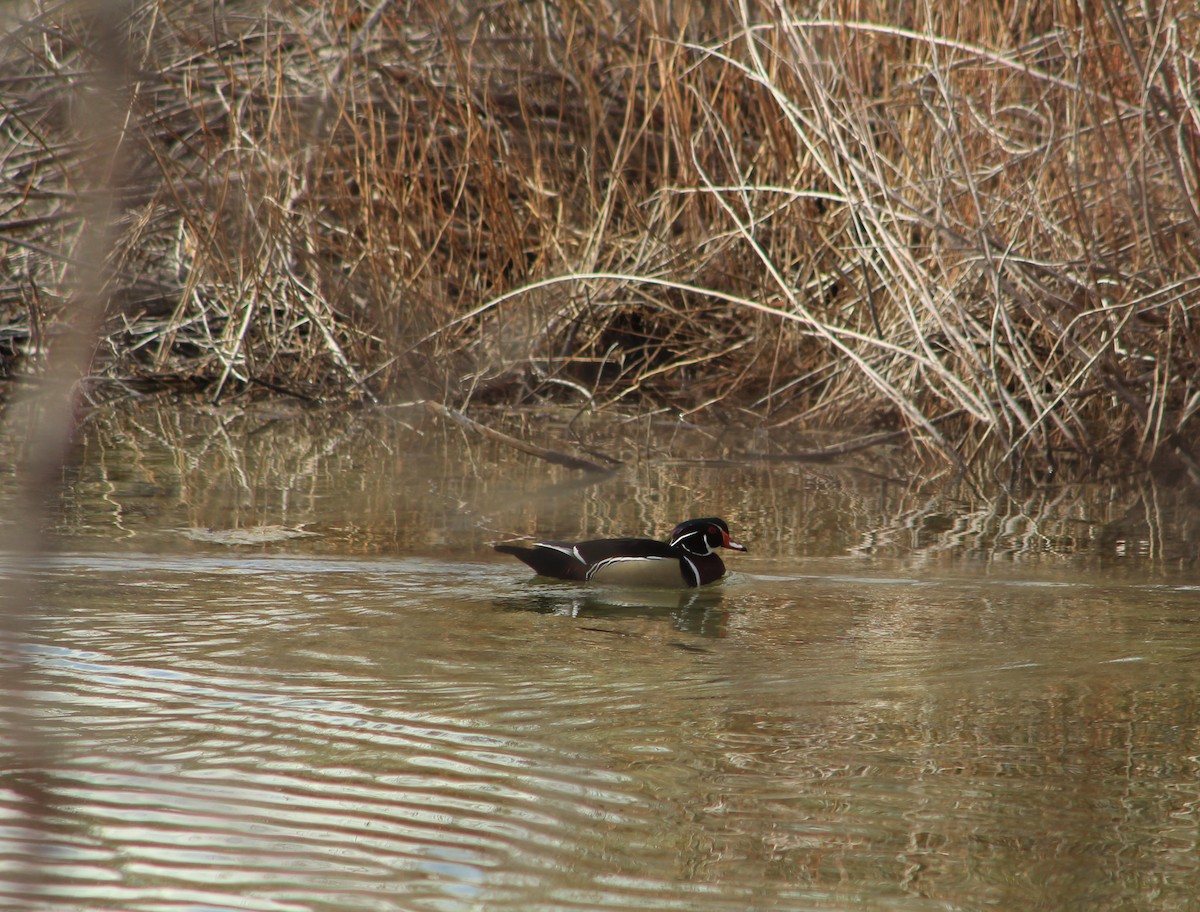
x: 712, y: 530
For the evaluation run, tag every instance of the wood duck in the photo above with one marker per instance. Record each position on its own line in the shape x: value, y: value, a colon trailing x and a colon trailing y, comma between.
x: 689, y: 558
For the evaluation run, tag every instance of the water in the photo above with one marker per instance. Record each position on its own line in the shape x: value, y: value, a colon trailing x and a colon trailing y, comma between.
x: 278, y: 668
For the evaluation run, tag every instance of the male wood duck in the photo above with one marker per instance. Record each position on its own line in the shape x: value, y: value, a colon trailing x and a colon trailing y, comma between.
x: 689, y: 558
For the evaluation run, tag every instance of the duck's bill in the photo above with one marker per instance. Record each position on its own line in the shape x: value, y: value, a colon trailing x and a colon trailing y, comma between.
x: 730, y: 543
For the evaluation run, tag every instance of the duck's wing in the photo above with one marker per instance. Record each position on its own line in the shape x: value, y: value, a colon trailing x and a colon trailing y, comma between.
x: 559, y: 560
x: 611, y: 561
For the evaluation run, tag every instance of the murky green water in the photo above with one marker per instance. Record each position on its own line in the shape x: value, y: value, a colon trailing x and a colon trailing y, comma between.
x: 280, y: 669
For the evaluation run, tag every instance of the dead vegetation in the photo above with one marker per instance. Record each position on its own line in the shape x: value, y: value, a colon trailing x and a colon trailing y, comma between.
x: 973, y: 222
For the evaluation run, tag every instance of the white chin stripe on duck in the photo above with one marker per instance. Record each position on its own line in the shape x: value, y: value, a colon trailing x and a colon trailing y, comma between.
x: 694, y: 543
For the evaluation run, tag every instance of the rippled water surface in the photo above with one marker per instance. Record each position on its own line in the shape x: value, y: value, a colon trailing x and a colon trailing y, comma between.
x: 276, y: 666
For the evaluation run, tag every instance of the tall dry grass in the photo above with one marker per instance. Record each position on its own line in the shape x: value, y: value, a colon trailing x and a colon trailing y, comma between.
x: 974, y: 222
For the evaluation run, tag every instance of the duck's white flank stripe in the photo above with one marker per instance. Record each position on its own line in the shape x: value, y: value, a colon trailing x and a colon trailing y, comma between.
x: 600, y: 565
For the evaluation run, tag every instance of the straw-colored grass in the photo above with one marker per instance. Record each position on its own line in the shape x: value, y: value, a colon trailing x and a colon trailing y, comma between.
x: 975, y: 223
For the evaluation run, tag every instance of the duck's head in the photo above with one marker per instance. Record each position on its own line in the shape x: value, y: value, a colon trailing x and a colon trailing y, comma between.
x: 703, y: 536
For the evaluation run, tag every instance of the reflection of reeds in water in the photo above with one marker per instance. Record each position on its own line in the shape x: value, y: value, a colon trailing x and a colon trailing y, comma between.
x: 959, y: 751
x: 975, y: 225
x: 1140, y: 522
x: 402, y: 482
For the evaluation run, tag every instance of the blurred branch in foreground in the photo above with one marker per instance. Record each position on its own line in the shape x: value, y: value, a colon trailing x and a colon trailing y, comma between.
x: 44, y: 412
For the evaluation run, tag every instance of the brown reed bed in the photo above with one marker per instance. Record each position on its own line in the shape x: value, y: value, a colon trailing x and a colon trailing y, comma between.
x: 974, y: 224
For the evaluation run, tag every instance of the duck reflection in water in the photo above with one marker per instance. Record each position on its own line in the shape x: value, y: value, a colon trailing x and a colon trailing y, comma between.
x: 697, y: 611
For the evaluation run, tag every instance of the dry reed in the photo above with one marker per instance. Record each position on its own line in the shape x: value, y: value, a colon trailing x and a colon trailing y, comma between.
x: 975, y: 223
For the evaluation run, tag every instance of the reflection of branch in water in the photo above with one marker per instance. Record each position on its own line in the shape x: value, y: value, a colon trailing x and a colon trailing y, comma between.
x: 44, y: 415
x: 554, y: 456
